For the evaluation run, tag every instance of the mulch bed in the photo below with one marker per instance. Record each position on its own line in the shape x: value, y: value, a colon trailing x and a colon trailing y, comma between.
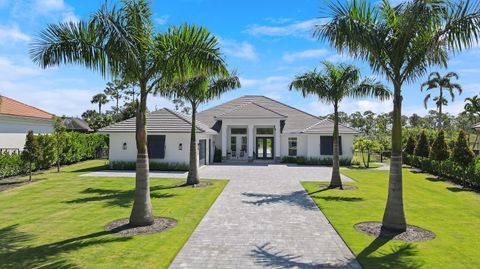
x: 413, y: 233
x: 123, y: 228
x: 345, y: 187
x: 201, y: 184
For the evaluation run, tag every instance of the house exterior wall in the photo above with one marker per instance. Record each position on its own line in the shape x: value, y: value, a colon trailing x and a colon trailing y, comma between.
x: 302, y: 144
x: 13, y: 130
x: 172, y: 151
x: 313, y: 146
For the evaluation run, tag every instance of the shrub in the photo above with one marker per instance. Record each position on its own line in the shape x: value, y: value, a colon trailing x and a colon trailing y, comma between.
x: 217, y: 156
x: 30, y: 152
x: 154, y: 166
x: 12, y: 164
x: 300, y: 160
x: 366, y: 147
x: 439, y: 151
x: 410, y: 146
x: 422, y: 148
x: 461, y: 153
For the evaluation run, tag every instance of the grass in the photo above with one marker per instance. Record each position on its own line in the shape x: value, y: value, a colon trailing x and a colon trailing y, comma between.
x: 59, y: 222
x: 452, y: 213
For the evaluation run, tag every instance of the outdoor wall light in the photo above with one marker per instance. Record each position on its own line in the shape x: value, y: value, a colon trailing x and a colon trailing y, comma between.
x: 180, y: 146
x: 124, y: 146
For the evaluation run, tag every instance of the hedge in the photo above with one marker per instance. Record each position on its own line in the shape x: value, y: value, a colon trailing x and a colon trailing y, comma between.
x: 154, y: 166
x: 300, y: 160
x: 76, y: 147
x: 467, y: 176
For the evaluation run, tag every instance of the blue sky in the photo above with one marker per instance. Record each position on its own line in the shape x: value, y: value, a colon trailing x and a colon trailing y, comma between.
x: 267, y: 42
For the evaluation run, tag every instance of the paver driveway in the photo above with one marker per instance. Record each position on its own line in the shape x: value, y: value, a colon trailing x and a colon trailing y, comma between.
x: 263, y: 219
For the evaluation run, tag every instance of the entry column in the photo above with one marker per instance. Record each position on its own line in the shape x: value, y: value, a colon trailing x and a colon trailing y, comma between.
x: 224, y: 141
x: 250, y: 142
x: 277, y: 142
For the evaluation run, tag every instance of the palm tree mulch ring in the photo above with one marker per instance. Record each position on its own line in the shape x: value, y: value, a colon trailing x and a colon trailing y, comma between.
x: 122, y: 227
x: 345, y: 187
x: 413, y: 233
x: 201, y: 184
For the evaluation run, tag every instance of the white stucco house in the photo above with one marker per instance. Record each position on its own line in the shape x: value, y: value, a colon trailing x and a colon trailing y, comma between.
x: 16, y: 119
x: 246, y: 129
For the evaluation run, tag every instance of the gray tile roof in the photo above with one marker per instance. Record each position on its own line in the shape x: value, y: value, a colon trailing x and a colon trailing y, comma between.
x: 76, y: 124
x: 325, y: 126
x: 160, y: 121
x: 250, y: 111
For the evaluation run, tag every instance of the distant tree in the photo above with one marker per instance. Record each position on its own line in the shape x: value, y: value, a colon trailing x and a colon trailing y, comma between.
x: 366, y: 147
x: 442, y: 83
x: 100, y: 99
x: 439, y: 151
x: 422, y: 148
x: 415, y: 121
x: 180, y: 106
x: 410, y: 146
x: 30, y: 152
x: 59, y: 135
x: 115, y: 90
x: 461, y: 152
x: 472, y: 107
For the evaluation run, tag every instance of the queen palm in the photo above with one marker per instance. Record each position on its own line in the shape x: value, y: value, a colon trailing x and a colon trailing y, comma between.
x: 472, y: 107
x: 401, y: 43
x: 198, y: 90
x: 100, y: 99
x: 120, y: 42
x: 436, y: 81
x: 332, y: 85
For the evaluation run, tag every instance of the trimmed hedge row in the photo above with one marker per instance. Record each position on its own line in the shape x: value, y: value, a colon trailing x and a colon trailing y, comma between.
x: 300, y: 160
x: 154, y: 166
x: 467, y: 176
x: 76, y: 147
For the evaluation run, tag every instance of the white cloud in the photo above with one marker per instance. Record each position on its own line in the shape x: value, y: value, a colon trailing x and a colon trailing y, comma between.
x: 242, y: 50
x: 162, y: 20
x: 273, y: 86
x: 11, y: 34
x: 306, y: 54
x: 11, y: 71
x: 69, y: 16
x: 49, y: 8
x: 298, y: 28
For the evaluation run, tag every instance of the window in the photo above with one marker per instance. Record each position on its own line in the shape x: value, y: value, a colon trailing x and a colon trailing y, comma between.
x: 326, y: 145
x: 264, y: 131
x: 244, y: 143
x: 292, y: 146
x: 233, y: 143
x: 238, y: 131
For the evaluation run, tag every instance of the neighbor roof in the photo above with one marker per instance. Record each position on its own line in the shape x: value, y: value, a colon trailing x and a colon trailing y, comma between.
x: 76, y: 124
x: 11, y: 107
x: 250, y: 110
x: 160, y: 121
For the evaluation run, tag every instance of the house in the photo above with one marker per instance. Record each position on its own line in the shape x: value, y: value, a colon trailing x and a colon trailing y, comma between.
x: 17, y: 118
x: 246, y: 129
x: 76, y: 125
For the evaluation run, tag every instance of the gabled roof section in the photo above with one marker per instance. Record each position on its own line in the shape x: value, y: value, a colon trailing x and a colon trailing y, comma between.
x: 296, y: 120
x: 76, y: 124
x: 160, y: 121
x: 11, y: 107
x: 249, y: 111
x: 325, y: 126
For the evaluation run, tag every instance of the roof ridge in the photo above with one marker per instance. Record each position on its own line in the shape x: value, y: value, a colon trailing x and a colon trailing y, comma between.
x: 289, y: 106
x: 22, y: 103
x: 313, y: 125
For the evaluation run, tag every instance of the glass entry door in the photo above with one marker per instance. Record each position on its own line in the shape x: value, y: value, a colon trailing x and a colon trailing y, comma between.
x: 264, y: 148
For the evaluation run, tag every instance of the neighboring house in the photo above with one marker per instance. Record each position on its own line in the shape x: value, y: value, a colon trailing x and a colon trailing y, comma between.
x: 76, y: 125
x: 17, y: 118
x: 246, y: 129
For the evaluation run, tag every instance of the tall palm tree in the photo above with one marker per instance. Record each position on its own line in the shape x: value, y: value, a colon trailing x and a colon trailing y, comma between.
x: 119, y: 41
x: 436, y: 81
x: 472, y: 107
x: 100, y: 99
x: 401, y: 43
x: 198, y: 90
x: 332, y: 85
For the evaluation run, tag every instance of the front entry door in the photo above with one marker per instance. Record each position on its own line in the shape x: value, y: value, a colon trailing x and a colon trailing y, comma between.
x: 264, y: 147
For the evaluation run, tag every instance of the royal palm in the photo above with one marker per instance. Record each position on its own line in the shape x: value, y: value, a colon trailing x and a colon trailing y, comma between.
x: 400, y: 43
x: 120, y: 42
x: 332, y: 85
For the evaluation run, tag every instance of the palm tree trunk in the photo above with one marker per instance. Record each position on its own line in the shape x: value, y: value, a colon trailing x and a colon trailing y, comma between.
x: 99, y: 108
x: 440, y: 110
x: 336, y: 181
x: 394, y: 216
x: 193, y: 177
x: 141, y: 214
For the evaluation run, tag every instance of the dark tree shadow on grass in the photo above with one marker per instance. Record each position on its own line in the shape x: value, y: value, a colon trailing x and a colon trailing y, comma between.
x: 15, y: 252
x: 339, y: 198
x: 267, y: 256
x: 122, y: 198
x: 401, y: 256
x: 297, y: 198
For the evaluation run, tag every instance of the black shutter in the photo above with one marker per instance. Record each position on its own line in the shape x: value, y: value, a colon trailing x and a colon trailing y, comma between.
x: 326, y: 145
x: 156, y: 146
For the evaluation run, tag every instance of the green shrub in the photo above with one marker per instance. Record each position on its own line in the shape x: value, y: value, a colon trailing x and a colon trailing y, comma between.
x: 154, y: 166
x: 461, y: 153
x: 422, y: 148
x: 410, y: 146
x: 217, y: 156
x: 439, y: 151
x: 12, y: 164
x: 300, y: 160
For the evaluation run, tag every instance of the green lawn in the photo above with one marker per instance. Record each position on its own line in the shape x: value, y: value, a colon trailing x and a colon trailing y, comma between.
x: 59, y: 222
x: 450, y: 212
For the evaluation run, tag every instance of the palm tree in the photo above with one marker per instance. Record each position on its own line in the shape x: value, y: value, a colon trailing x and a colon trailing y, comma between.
x: 472, y: 107
x: 435, y: 80
x: 401, y: 43
x: 100, y: 99
x: 332, y: 85
x: 120, y: 42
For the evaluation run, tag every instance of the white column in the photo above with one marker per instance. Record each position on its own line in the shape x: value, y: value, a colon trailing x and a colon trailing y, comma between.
x: 224, y: 140
x: 250, y: 141
x: 277, y: 140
